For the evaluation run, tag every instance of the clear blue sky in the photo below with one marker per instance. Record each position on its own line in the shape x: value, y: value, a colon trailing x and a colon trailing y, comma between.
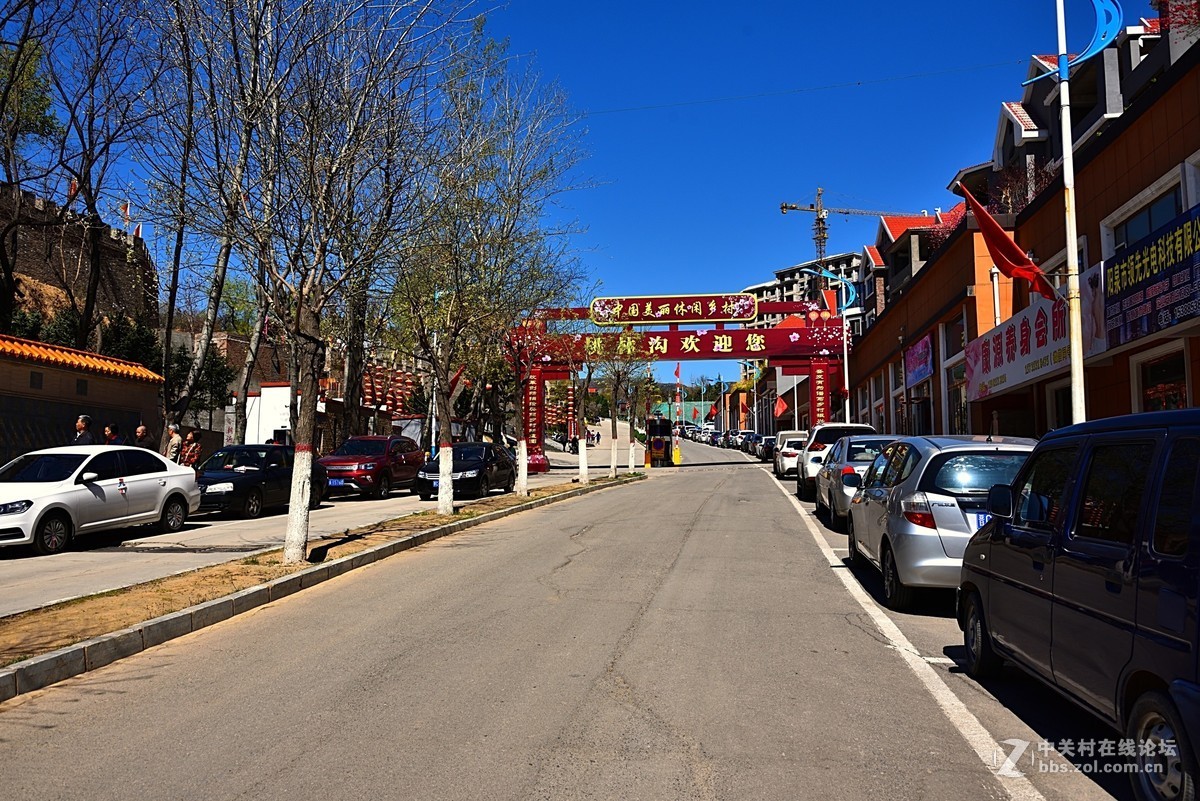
x: 688, y: 190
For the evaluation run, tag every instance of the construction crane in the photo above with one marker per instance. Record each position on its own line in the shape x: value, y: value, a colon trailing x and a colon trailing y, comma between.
x: 821, y: 228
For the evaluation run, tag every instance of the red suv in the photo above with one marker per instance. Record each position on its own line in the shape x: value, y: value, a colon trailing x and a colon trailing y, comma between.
x: 372, y: 465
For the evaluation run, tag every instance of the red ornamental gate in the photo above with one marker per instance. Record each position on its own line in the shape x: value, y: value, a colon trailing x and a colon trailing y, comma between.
x: 811, y: 345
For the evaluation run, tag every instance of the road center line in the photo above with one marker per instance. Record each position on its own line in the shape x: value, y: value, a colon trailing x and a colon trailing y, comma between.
x: 984, y: 744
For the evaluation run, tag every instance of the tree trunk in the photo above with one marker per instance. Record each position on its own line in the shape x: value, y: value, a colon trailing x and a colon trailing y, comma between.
x: 445, y: 436
x: 95, y: 263
x: 354, y: 370
x: 612, y: 411
x: 522, y: 487
x: 308, y: 347
x: 247, y: 376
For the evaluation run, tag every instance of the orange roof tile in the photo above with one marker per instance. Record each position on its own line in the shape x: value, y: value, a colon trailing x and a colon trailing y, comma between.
x: 875, y: 257
x: 58, y: 356
x: 792, y: 321
x: 1152, y: 26
x: 896, y: 226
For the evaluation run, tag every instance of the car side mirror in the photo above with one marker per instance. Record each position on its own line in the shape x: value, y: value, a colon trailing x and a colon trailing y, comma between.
x: 852, y: 480
x: 88, y: 478
x: 1000, y: 501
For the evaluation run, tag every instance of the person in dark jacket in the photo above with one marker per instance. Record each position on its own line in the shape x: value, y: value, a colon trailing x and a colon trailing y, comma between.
x: 112, y: 435
x: 83, y: 431
x: 143, y: 439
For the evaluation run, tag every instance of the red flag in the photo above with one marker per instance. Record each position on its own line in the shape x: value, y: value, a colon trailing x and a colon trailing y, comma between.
x: 1007, y: 254
x: 713, y: 411
x: 780, y: 406
x: 677, y: 371
x: 695, y: 413
x: 138, y: 231
x: 745, y: 408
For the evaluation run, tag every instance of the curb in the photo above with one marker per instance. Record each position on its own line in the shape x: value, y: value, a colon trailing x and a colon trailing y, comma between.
x: 42, y: 671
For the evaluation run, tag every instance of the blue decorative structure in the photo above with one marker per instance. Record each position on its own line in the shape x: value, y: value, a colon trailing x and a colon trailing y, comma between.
x: 851, y: 292
x: 1109, y: 19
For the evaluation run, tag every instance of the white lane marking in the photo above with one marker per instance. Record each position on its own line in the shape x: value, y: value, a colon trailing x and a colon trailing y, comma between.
x: 984, y: 744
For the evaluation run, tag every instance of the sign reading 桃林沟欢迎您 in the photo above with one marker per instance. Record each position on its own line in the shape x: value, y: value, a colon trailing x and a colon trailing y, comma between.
x: 1154, y: 283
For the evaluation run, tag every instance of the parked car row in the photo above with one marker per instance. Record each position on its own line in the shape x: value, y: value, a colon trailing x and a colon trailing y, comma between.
x: 49, y: 497
x: 1076, y: 558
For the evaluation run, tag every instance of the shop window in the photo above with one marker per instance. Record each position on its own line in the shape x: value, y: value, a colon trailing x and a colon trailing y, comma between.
x: 954, y: 335
x: 956, y: 399
x: 1149, y: 218
x: 877, y: 386
x: 1164, y: 383
x: 898, y: 375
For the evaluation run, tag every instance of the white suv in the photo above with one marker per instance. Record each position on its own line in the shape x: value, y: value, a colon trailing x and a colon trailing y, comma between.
x: 812, y: 455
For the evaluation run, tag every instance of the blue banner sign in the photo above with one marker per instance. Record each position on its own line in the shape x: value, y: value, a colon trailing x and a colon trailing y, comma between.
x: 1154, y: 283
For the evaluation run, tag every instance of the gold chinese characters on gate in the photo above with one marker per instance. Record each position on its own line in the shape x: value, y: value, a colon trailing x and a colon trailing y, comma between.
x: 652, y: 310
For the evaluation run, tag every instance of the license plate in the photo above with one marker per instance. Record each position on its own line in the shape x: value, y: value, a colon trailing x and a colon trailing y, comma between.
x: 980, y: 519
x: 435, y: 484
x: 336, y: 482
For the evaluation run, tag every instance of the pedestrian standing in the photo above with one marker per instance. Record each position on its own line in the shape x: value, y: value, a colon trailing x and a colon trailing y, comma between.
x: 142, y: 438
x: 112, y: 435
x: 83, y: 431
x: 189, y: 456
x: 174, y: 444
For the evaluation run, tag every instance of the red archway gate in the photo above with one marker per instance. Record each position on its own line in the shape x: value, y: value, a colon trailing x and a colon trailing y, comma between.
x: 810, y: 346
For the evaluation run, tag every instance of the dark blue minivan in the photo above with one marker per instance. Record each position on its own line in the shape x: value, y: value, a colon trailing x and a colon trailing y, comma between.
x: 1087, y: 577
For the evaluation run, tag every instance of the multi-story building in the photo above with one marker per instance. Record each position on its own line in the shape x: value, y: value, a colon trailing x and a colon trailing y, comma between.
x: 950, y: 346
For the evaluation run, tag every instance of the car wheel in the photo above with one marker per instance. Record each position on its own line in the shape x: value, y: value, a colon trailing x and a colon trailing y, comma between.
x: 855, y: 556
x: 1161, y: 776
x: 253, y: 507
x: 484, y: 488
x: 52, y: 534
x: 384, y: 488
x: 512, y: 483
x: 424, y: 496
x: 314, y: 500
x: 896, y: 595
x: 836, y: 523
x: 817, y: 504
x: 982, y: 661
x: 808, y: 489
x: 174, y: 515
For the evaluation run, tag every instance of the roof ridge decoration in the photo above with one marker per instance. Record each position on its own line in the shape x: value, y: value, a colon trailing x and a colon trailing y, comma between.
x: 62, y: 356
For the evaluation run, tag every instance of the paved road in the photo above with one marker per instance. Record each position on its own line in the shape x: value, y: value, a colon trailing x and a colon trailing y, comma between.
x: 690, y: 636
x: 110, y: 560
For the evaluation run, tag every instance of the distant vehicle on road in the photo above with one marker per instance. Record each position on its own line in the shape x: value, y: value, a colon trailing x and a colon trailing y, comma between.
x: 50, y: 497
x: 479, y: 467
x: 373, y: 465
x: 247, y: 479
x: 766, y: 449
x: 816, y: 448
x: 848, y: 455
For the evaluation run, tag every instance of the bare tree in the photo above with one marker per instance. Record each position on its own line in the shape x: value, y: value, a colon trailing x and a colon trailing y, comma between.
x: 100, y: 84
x: 505, y: 149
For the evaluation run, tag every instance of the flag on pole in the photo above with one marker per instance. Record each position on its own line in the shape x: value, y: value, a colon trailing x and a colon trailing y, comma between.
x: 745, y: 408
x: 1007, y: 254
x: 677, y: 371
x: 138, y: 231
x: 125, y: 212
x: 695, y: 413
x: 780, y: 406
x: 713, y: 411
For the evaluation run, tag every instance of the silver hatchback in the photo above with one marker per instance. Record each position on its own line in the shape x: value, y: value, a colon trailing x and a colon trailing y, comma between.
x: 919, y: 503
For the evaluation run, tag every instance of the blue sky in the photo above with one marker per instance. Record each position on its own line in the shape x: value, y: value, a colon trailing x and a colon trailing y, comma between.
x: 689, y: 181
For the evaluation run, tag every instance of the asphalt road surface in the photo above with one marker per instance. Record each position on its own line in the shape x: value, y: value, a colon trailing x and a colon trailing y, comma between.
x: 693, y: 636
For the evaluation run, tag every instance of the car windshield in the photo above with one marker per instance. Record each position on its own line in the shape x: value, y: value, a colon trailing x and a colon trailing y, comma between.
x: 45, y: 468
x: 828, y: 436
x: 240, y: 460
x: 361, y: 447
x: 469, y: 452
x: 866, y: 451
x: 977, y: 472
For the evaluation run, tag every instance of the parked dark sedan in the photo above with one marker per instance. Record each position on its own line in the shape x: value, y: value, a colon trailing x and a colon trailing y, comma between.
x: 246, y: 479
x: 479, y: 467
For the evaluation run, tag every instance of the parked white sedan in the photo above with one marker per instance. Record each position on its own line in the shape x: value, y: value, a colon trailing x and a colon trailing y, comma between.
x: 50, y: 496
